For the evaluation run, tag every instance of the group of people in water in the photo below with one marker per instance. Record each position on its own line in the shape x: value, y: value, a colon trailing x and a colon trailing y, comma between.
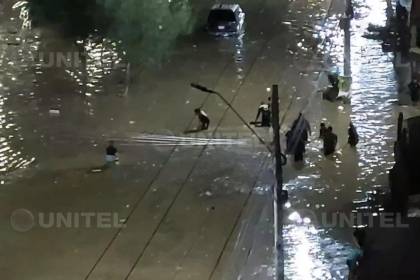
x: 297, y: 138
x: 298, y: 135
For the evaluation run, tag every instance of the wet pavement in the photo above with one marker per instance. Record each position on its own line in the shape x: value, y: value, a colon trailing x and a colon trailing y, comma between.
x: 194, y: 206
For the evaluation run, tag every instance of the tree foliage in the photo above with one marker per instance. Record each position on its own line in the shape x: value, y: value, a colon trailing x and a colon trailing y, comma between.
x: 148, y: 29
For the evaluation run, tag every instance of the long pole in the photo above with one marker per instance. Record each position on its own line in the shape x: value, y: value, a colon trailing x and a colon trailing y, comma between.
x: 245, y: 122
x: 347, y: 49
x: 276, y: 132
x: 278, y: 188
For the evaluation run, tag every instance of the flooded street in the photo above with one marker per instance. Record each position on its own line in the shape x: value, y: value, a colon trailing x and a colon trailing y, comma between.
x: 184, y: 205
x: 344, y: 183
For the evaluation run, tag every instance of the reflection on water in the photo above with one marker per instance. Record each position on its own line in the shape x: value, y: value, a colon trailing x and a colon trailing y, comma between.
x: 310, y: 29
x: 99, y: 57
x: 350, y: 177
x: 239, y: 56
x: 314, y: 254
x: 374, y: 95
x: 15, y: 60
x: 22, y: 6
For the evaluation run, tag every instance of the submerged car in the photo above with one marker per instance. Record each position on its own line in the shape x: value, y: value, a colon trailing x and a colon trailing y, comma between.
x: 226, y: 20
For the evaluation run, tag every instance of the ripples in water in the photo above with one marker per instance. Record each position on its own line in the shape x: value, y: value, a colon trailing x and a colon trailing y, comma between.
x: 351, y: 180
x: 17, y: 48
x: 99, y: 57
x: 315, y: 255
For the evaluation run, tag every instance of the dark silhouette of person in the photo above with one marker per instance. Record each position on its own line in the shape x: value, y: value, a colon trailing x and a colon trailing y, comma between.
x: 300, y: 149
x: 331, y: 93
x: 302, y: 126
x: 322, y: 130
x: 353, y: 139
x: 264, y: 110
x: 111, y: 159
x: 203, y: 119
x: 111, y: 152
x: 414, y: 88
x: 330, y: 141
x: 298, y: 136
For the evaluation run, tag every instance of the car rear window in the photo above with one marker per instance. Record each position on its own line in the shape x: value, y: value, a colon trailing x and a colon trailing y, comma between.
x: 220, y: 15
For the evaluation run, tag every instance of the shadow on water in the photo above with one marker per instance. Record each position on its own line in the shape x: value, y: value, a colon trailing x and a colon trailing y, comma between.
x: 74, y: 18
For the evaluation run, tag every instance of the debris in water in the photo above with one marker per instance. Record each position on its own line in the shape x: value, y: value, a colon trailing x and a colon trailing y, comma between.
x: 54, y: 112
x: 206, y: 193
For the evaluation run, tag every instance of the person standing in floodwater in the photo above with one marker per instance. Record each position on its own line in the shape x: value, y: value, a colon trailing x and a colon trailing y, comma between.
x: 300, y: 149
x: 322, y: 130
x: 264, y: 110
x: 300, y: 130
x: 414, y: 88
x: 111, y: 152
x: 203, y: 119
x: 353, y: 136
x: 331, y: 93
x: 330, y: 141
x: 302, y: 125
x: 297, y: 137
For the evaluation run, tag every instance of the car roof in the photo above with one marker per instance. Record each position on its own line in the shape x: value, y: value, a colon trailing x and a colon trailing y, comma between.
x: 231, y: 7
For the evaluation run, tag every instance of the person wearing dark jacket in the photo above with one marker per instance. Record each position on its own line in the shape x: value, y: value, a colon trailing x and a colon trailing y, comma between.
x: 302, y: 127
x: 264, y: 110
x: 111, y: 152
x: 330, y: 141
x: 300, y: 149
x: 322, y: 130
x: 331, y: 93
x: 203, y: 119
x: 353, y: 136
x: 414, y: 88
x: 297, y: 137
